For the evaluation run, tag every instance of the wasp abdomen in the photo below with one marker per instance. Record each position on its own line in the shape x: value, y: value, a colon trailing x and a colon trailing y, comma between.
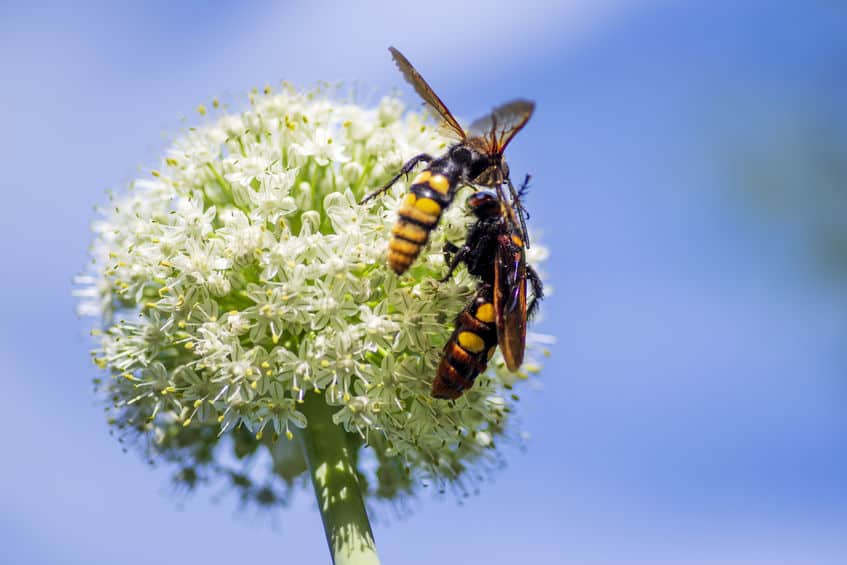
x: 431, y: 192
x: 470, y: 347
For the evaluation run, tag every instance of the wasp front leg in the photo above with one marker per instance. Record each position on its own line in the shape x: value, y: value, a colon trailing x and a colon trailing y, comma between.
x: 453, y: 256
x: 405, y: 170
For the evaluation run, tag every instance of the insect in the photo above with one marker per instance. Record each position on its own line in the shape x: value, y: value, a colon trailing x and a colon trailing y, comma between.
x: 476, y: 159
x: 495, y: 253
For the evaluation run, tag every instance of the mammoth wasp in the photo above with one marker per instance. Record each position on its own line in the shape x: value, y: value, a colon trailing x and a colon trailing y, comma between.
x: 495, y: 252
x: 476, y: 158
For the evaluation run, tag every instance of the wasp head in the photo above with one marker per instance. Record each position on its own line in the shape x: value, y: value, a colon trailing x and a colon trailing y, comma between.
x: 484, y: 204
x: 495, y: 174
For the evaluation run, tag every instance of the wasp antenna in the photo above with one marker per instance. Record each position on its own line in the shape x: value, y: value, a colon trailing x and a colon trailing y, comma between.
x: 524, y: 189
x: 518, y: 207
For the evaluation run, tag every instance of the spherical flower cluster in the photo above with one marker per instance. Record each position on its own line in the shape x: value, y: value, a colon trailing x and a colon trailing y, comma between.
x: 243, y: 275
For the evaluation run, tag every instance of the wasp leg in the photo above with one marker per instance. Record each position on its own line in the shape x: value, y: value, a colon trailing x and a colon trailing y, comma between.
x: 405, y: 170
x: 453, y: 256
x: 537, y: 290
x: 450, y: 249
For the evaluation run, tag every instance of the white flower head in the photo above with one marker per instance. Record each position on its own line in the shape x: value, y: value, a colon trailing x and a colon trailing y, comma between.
x: 244, y: 276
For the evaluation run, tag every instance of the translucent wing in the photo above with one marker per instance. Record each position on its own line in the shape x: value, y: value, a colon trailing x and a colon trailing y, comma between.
x: 428, y: 95
x: 510, y: 300
x: 499, y: 127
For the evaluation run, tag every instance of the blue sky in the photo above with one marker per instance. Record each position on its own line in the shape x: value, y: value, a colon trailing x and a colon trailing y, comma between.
x: 693, y: 408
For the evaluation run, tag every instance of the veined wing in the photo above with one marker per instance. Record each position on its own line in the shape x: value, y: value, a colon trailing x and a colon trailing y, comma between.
x: 499, y: 127
x: 428, y: 95
x: 510, y: 300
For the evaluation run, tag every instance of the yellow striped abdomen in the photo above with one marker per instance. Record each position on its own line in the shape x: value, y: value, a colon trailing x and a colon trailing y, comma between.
x: 468, y: 350
x: 418, y: 215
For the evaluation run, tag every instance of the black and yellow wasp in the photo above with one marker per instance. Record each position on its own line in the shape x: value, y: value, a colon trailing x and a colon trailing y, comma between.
x: 494, y: 252
x: 475, y: 159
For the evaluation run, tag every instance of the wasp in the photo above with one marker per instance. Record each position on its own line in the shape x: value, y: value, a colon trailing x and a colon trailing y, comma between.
x: 476, y: 158
x: 494, y: 252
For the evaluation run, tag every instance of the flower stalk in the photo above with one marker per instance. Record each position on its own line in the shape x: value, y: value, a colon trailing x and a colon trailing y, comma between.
x: 330, y: 454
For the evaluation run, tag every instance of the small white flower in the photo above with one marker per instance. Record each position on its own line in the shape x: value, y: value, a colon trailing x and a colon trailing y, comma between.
x: 322, y: 147
x: 237, y: 323
x: 390, y: 109
x: 352, y: 171
x: 200, y: 260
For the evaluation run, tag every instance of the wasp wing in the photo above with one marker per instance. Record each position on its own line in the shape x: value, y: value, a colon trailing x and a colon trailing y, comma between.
x: 499, y: 127
x: 428, y: 95
x: 510, y: 300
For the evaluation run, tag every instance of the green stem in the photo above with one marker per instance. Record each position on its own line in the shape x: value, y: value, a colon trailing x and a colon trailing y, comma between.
x: 330, y: 456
